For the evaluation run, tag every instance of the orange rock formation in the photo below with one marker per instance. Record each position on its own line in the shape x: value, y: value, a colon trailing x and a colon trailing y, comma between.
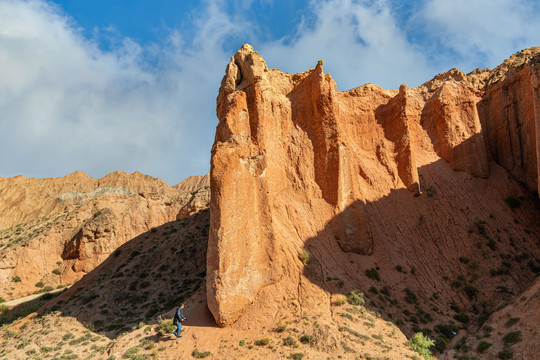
x: 299, y: 167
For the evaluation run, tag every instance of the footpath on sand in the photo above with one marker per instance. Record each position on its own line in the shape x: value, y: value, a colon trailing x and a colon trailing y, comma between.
x: 12, y: 303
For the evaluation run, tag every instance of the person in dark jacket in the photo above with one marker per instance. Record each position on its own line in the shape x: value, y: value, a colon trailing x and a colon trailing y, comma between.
x: 177, y: 320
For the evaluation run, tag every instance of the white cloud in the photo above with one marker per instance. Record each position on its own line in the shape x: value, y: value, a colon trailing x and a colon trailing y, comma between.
x: 480, y: 31
x: 66, y: 105
x: 359, y: 41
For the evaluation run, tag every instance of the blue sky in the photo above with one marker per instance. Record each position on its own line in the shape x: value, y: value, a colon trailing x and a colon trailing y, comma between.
x: 107, y: 85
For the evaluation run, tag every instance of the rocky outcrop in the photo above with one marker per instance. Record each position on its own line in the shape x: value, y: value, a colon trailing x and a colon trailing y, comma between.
x: 510, y: 110
x: 24, y: 199
x: 193, y: 183
x: 297, y: 162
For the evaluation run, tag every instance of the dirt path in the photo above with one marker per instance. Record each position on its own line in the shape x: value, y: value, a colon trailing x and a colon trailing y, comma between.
x: 15, y: 302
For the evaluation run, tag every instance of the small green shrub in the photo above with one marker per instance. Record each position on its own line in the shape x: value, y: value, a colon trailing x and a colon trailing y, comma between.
x: 280, y: 327
x: 130, y: 352
x: 421, y: 345
x: 470, y: 291
x: 512, y: 202
x: 501, y: 270
x: 440, y: 344
x: 56, y: 272
x: 338, y: 301
x: 148, y: 344
x: 410, y: 296
x: 505, y: 355
x: 200, y: 355
x: 289, y: 341
x: 447, y: 330
x: 307, y: 339
x: 242, y: 342
x: 483, y: 346
x: 45, y: 349
x: 133, y: 254
x: 464, y: 260
x: 9, y: 334
x: 305, y: 256
x: 346, y: 347
x: 462, y: 317
x: 512, y: 321
x: 296, y: 356
x: 501, y: 305
x: 355, y: 333
x: 512, y: 338
x: 16, y: 279
x: 356, y: 297
x: 399, y: 268
x: 39, y: 284
x: 373, y: 274
x: 166, y: 327
x: 3, y: 309
x: 262, y: 342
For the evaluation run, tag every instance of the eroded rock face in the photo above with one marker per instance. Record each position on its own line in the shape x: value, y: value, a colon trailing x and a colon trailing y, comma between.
x: 296, y: 160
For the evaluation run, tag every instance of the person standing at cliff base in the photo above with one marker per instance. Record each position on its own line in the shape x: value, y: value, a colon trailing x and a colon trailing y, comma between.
x: 177, y: 320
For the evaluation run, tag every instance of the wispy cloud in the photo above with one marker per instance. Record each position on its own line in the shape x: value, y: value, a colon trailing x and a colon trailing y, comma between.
x: 478, y: 32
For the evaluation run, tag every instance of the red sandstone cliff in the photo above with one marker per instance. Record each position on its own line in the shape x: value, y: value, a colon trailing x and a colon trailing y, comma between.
x: 372, y: 179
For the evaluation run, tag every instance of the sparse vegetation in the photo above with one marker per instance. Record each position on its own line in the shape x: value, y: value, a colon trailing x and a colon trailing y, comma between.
x: 462, y: 317
x: 166, y: 327
x: 262, y: 342
x: 512, y: 202
x: 356, y: 298
x: 512, y: 321
x: 421, y: 345
x: 501, y: 270
x: 505, y: 355
x: 305, y: 256
x: 289, y: 341
x: 410, y: 296
x: 296, y: 356
x: 200, y: 354
x: 483, y: 346
x: 307, y: 339
x: 512, y: 338
x: 470, y: 291
x: 340, y: 300
x: 373, y: 274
